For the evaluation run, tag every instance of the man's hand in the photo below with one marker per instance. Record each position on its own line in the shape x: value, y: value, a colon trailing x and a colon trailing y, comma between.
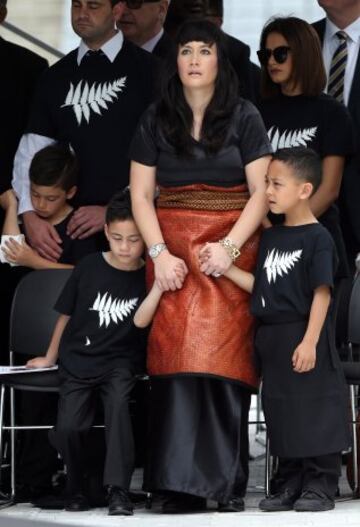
x: 86, y: 221
x: 42, y: 236
x: 304, y: 357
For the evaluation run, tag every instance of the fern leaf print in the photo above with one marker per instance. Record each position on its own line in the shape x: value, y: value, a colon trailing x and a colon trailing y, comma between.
x: 86, y: 100
x: 278, y: 264
x: 112, y: 310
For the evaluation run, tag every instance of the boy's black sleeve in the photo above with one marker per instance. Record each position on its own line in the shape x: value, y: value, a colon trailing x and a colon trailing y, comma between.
x: 323, y: 262
x: 66, y: 302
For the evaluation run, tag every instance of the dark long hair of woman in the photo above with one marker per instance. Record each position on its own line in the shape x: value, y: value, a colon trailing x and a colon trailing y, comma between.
x: 174, y: 113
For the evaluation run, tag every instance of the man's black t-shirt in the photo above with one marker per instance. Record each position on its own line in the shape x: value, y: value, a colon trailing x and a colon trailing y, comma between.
x: 292, y: 262
x: 100, y: 335
x: 95, y: 107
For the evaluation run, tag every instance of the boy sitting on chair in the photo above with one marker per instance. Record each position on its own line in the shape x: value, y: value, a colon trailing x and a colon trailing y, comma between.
x: 53, y: 176
x: 100, y: 352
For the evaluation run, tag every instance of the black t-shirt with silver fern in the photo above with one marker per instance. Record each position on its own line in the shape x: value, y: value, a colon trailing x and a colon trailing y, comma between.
x: 100, y: 335
x: 95, y: 106
x: 292, y: 262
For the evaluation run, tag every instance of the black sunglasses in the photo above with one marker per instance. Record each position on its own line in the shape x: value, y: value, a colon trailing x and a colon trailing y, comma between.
x: 136, y: 4
x: 280, y: 54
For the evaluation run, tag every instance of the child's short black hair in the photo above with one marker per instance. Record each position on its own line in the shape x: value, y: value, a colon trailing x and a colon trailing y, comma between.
x: 305, y: 164
x: 54, y: 165
x: 119, y: 207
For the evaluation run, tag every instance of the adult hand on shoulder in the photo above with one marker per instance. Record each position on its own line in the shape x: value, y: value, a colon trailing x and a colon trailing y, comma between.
x: 213, y: 258
x: 170, y: 271
x: 86, y: 221
x: 304, y: 357
x: 42, y: 236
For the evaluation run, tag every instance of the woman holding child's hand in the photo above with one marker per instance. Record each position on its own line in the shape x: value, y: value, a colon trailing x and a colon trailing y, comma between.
x: 208, y: 152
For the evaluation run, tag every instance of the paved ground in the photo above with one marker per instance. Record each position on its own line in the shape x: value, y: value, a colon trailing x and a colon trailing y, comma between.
x: 346, y: 513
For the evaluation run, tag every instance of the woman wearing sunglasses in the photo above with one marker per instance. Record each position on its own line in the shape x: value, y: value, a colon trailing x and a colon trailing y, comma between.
x: 208, y: 151
x: 296, y: 112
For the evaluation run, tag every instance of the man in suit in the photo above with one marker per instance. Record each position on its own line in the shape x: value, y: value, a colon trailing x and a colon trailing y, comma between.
x: 20, y: 70
x: 344, y: 15
x: 142, y: 22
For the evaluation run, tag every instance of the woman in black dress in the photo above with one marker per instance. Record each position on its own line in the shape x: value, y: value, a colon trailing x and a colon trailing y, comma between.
x: 208, y: 151
x: 296, y: 112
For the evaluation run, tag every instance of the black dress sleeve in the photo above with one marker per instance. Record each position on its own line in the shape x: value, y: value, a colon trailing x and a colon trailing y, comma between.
x: 323, y: 261
x: 143, y: 148
x: 337, y: 137
x: 253, y: 139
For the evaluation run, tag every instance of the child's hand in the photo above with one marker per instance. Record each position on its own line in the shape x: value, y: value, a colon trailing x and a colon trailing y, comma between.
x: 8, y: 199
x: 19, y: 253
x: 39, y: 362
x: 304, y: 357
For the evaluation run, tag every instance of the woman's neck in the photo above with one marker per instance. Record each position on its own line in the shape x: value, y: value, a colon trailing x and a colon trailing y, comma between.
x: 198, y: 100
x: 290, y: 90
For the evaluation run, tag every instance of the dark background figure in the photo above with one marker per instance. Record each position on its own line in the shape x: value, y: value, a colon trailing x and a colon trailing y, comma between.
x: 143, y: 24
x: 239, y: 53
x: 345, y: 15
x: 20, y: 71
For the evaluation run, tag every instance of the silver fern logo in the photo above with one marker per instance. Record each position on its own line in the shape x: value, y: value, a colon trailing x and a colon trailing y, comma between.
x: 85, y: 99
x: 279, y: 263
x: 291, y: 138
x: 110, y: 309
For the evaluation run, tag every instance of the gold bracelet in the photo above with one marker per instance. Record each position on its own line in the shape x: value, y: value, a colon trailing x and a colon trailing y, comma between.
x: 230, y: 248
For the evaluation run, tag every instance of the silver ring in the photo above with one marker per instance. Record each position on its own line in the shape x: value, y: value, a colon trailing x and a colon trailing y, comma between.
x: 216, y: 275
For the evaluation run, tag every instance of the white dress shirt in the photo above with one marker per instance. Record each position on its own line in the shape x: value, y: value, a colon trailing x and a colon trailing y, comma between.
x: 150, y: 44
x: 330, y: 44
x: 32, y: 143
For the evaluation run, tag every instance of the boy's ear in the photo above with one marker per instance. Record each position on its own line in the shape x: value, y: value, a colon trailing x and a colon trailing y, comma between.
x: 306, y: 191
x: 71, y: 192
x: 106, y: 231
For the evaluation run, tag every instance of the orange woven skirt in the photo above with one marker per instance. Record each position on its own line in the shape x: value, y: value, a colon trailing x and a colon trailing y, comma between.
x: 205, y: 327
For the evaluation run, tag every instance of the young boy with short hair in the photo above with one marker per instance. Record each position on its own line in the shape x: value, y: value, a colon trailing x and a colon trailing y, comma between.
x: 100, y: 351
x: 53, y: 176
x: 304, y: 395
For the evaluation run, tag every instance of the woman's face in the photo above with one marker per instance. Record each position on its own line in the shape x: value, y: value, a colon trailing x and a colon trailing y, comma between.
x: 280, y: 73
x: 197, y: 64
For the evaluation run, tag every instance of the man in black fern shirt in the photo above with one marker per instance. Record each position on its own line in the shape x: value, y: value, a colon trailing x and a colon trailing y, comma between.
x: 91, y: 99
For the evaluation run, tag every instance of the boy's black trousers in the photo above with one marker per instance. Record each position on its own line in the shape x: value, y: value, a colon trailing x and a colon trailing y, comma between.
x: 76, y: 414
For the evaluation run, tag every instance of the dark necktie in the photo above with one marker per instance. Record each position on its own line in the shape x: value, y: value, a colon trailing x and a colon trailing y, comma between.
x: 337, y: 68
x: 94, y: 56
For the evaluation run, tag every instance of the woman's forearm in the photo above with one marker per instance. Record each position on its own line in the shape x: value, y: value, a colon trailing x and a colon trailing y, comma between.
x: 250, y: 219
x: 146, y: 220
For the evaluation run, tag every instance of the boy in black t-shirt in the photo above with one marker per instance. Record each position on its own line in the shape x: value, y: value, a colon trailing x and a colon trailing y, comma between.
x: 100, y: 351
x: 53, y: 176
x: 304, y: 397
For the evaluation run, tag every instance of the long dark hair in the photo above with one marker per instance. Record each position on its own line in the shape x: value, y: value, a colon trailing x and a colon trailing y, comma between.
x: 175, y: 116
x: 307, y: 63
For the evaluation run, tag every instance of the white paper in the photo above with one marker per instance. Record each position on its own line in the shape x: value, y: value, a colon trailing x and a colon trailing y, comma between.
x: 20, y: 238
x: 8, y: 370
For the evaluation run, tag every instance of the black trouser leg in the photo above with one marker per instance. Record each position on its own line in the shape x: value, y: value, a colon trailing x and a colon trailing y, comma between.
x: 120, y: 452
x: 242, y: 475
x: 75, y: 417
x: 322, y: 473
x: 289, y: 475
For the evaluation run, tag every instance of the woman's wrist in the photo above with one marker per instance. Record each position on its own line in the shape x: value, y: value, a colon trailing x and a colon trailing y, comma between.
x: 231, y: 249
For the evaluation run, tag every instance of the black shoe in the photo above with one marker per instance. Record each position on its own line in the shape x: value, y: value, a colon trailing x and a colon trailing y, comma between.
x: 235, y: 504
x: 119, y: 502
x: 180, y: 503
x: 283, y: 501
x: 313, y: 501
x: 77, y: 503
